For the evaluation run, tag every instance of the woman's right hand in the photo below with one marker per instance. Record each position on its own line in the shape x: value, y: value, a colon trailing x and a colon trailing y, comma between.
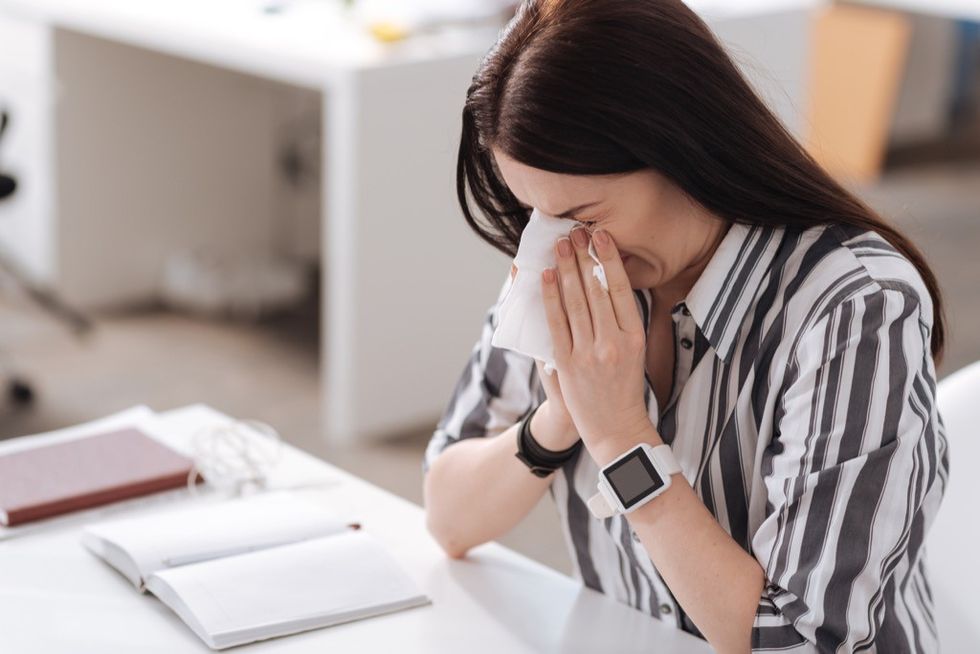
x: 552, y: 426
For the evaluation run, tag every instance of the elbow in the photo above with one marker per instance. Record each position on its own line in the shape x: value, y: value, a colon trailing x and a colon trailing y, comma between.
x: 438, y: 526
x: 451, y: 545
x: 453, y: 550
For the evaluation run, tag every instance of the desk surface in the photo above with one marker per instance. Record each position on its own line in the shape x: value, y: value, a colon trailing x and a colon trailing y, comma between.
x: 56, y: 597
x: 308, y: 43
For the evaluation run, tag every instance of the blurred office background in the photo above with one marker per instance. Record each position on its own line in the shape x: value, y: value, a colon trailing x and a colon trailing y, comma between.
x: 252, y: 201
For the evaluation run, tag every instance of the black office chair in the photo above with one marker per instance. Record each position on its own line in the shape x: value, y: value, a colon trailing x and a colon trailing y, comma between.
x: 7, y: 183
x: 19, y: 389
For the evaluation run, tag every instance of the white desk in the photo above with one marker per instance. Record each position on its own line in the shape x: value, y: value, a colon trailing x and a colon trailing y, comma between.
x: 393, y: 242
x: 56, y: 597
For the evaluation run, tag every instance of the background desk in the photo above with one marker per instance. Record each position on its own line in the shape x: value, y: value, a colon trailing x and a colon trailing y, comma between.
x: 956, y: 9
x: 144, y: 127
x: 56, y: 597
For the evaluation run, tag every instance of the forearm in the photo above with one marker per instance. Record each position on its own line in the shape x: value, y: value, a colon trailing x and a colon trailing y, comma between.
x: 477, y: 490
x: 717, y: 582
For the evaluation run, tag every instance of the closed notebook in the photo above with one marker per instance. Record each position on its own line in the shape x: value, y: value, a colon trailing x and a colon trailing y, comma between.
x: 260, y: 567
x: 89, y: 471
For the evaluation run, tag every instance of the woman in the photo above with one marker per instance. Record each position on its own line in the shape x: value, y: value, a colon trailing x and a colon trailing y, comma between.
x: 760, y: 320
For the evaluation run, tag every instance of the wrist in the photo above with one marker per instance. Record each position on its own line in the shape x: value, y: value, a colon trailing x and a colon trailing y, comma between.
x: 541, y: 460
x: 550, y: 431
x: 606, y: 450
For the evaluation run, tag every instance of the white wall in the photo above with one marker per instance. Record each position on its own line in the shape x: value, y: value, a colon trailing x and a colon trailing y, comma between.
x: 154, y: 153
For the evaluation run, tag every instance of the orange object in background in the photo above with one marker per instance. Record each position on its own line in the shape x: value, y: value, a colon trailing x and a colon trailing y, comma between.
x: 858, y: 58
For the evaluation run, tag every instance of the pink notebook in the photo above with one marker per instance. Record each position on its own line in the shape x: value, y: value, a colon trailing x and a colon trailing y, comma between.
x: 90, y: 471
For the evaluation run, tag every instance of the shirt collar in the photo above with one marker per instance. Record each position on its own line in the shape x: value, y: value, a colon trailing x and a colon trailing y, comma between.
x: 723, y: 294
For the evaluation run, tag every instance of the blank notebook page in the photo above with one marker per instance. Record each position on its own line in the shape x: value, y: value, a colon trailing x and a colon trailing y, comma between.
x: 310, y: 584
x: 196, y: 533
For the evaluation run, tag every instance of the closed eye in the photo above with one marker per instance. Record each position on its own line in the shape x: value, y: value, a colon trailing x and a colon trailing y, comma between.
x: 585, y: 223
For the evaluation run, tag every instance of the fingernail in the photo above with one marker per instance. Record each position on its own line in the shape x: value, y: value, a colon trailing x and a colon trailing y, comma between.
x: 580, y: 238
x: 601, y: 237
x: 549, y: 275
x: 564, y: 247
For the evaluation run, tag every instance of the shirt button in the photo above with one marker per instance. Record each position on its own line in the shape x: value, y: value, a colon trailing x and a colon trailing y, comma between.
x: 686, y: 343
x: 665, y: 609
x: 636, y: 537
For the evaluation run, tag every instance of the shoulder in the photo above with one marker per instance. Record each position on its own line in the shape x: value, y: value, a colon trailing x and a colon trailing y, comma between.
x: 835, y: 265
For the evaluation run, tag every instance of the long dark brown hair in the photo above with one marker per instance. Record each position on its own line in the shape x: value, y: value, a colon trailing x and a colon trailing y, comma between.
x: 593, y: 87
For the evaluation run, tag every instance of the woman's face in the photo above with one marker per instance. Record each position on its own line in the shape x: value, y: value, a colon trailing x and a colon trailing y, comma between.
x: 664, y: 237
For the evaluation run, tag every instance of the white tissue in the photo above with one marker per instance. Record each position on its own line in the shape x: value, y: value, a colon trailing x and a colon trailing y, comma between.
x: 597, y: 270
x: 522, y: 323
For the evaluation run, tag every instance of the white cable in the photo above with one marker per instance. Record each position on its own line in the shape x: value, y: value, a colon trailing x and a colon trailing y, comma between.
x: 235, y: 455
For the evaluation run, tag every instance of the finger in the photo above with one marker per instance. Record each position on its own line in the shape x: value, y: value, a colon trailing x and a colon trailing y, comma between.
x: 620, y: 291
x: 600, y: 305
x: 557, y: 322
x: 573, y: 295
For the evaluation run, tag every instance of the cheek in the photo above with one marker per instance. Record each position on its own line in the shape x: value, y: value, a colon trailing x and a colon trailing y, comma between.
x: 643, y: 261
x: 644, y: 271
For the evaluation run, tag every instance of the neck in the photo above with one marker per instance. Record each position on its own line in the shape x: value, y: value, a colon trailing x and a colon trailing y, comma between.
x: 669, y: 294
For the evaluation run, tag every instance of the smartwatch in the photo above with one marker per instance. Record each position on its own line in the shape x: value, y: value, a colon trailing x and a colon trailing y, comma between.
x: 632, y: 479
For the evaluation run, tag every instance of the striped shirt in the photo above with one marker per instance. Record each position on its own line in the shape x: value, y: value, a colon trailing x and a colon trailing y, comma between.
x: 803, y: 414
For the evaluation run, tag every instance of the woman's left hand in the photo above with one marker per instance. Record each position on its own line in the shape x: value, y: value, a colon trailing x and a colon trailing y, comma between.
x: 600, y: 344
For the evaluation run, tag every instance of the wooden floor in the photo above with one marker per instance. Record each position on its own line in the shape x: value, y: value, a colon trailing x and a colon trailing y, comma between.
x: 268, y: 371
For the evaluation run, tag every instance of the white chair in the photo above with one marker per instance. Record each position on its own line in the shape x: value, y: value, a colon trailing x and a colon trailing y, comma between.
x: 953, y: 542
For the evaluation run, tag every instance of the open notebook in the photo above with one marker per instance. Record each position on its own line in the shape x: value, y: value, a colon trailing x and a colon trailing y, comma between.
x: 255, y: 568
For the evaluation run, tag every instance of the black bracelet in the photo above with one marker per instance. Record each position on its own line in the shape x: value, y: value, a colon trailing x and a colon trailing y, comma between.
x: 541, y: 461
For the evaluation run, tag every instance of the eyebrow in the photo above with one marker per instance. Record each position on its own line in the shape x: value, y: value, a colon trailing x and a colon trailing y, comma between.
x: 571, y: 212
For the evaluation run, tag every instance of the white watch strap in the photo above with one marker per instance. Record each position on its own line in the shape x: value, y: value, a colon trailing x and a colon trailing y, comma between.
x: 599, y: 507
x: 664, y: 459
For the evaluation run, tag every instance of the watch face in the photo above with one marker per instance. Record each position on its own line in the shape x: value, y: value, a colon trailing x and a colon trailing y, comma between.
x: 633, y: 477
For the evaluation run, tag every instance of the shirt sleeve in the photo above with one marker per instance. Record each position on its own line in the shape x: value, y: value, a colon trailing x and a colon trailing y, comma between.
x: 853, y: 477
x: 492, y: 394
